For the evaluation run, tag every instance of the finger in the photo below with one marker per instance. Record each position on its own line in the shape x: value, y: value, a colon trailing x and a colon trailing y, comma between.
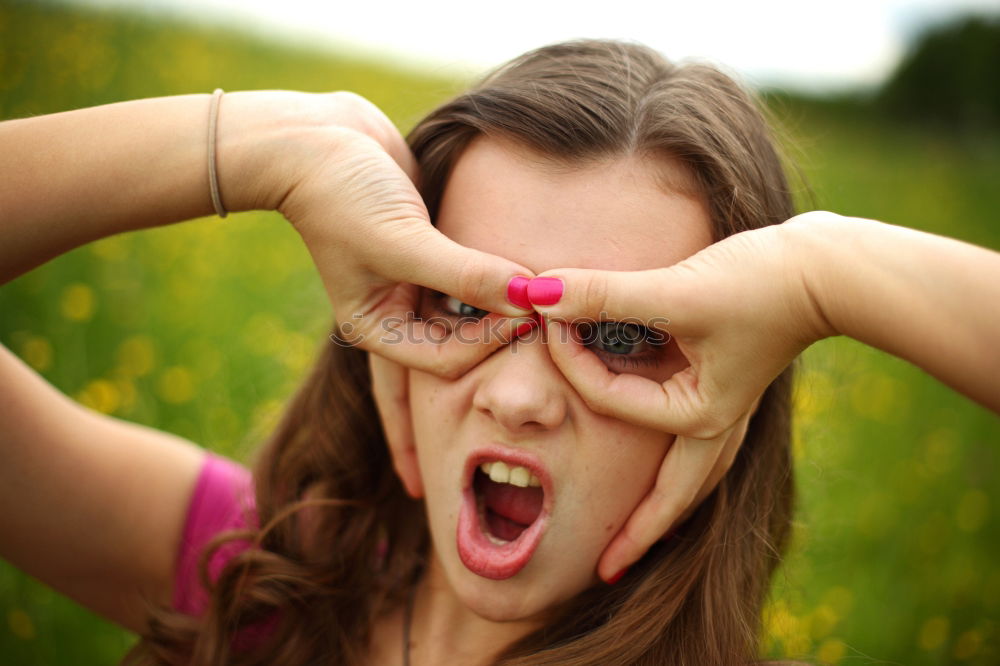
x: 443, y: 350
x: 726, y: 458
x: 657, y: 298
x: 687, y: 465
x: 439, y: 345
x: 673, y: 406
x: 391, y: 394
x: 425, y: 256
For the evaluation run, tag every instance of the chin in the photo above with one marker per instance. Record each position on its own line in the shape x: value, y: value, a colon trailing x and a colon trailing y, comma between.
x: 546, y: 582
x: 501, y: 605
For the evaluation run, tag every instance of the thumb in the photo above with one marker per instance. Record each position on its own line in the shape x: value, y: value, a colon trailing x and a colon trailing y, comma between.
x: 652, y: 298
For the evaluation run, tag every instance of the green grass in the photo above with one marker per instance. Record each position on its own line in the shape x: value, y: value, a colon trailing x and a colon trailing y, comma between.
x: 205, y: 328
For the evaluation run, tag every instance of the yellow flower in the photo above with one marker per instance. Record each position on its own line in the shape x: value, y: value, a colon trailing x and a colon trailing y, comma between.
x: 880, y: 398
x: 112, y: 248
x: 37, y: 352
x: 823, y: 621
x: 968, y: 644
x: 100, y: 395
x: 20, y: 624
x: 933, y: 634
x: 77, y: 303
x: 137, y: 356
x: 176, y: 385
x: 831, y: 651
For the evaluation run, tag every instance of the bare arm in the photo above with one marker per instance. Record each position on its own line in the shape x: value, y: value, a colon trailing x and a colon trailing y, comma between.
x: 91, y: 505
x: 74, y: 177
x: 931, y: 300
x: 70, y: 178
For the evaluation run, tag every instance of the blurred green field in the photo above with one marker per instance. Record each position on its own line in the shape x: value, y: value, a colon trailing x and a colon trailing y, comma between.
x: 205, y: 328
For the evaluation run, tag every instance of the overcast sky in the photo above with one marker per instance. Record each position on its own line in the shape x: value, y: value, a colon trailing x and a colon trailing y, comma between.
x: 803, y: 43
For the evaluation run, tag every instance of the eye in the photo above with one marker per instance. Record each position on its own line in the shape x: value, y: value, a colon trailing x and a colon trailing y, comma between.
x: 623, y: 343
x: 612, y: 337
x: 452, y: 306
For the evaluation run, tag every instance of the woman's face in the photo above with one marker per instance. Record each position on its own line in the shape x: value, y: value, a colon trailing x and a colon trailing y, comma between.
x: 511, y: 552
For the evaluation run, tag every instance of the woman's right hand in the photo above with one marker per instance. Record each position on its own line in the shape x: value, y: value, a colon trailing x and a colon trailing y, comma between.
x: 344, y: 177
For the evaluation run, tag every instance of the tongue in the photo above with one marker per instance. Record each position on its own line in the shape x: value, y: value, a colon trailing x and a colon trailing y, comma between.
x: 519, y: 505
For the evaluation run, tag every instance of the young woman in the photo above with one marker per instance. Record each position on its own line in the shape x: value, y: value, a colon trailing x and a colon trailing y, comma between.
x: 490, y: 487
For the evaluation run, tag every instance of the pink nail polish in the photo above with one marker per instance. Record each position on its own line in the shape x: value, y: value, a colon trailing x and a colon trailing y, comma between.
x: 545, y: 290
x: 517, y: 292
x: 617, y: 577
x: 523, y: 328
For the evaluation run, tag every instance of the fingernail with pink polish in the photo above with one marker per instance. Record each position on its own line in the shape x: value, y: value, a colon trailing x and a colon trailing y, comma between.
x: 545, y: 290
x: 523, y: 328
x: 617, y: 577
x: 517, y: 292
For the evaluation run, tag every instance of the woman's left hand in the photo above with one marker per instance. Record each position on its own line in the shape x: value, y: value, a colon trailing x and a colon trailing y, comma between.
x: 739, y: 314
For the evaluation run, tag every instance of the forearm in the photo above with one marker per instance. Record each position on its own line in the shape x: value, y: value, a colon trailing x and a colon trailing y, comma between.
x: 931, y: 300
x: 70, y: 178
x: 73, y: 177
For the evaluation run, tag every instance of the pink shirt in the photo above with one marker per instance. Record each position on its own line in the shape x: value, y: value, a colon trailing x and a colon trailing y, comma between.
x: 222, y: 500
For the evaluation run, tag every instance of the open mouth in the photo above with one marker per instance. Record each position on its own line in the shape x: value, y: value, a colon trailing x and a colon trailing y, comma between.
x: 508, y: 500
x: 505, y: 508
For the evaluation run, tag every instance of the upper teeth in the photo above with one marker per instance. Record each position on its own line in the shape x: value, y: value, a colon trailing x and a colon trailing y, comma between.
x: 501, y: 472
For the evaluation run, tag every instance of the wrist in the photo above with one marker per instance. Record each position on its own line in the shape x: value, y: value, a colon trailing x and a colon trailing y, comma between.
x: 263, y: 140
x: 269, y: 141
x: 819, y: 244
x: 245, y: 128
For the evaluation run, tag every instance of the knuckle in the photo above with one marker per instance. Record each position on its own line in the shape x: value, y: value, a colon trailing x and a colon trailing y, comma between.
x: 595, y: 292
x: 472, y: 281
x: 706, y: 427
x: 595, y: 402
x: 701, y: 420
x: 633, y: 541
x: 601, y: 406
x: 666, y: 499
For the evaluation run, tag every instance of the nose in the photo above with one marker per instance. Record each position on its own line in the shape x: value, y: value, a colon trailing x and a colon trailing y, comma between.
x: 521, y: 388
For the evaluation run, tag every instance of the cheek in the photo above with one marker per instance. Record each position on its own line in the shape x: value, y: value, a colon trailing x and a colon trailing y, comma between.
x: 435, y: 407
x: 620, y: 474
x: 426, y: 391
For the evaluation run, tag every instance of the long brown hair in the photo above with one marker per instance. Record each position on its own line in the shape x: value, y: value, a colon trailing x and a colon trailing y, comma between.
x: 340, y: 542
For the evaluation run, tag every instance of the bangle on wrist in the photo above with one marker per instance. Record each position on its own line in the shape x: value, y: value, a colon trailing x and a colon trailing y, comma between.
x: 213, y: 176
